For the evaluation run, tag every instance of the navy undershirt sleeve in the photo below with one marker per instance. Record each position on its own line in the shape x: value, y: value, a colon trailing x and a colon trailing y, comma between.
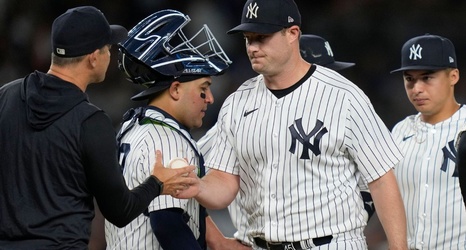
x: 170, y: 228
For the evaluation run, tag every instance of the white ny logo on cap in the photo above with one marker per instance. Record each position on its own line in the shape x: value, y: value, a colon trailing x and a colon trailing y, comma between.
x: 252, y: 11
x: 415, y: 52
x: 329, y: 50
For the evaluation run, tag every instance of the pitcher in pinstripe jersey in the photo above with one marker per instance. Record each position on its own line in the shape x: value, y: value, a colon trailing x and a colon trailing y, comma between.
x: 294, y: 141
x: 314, y: 49
x: 427, y: 176
x: 178, y: 74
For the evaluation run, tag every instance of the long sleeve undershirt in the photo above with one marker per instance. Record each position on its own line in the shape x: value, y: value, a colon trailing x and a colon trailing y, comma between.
x: 172, y: 232
x: 461, y: 165
x: 118, y: 204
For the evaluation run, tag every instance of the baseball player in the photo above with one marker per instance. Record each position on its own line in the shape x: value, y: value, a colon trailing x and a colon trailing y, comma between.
x: 293, y: 141
x: 427, y: 176
x: 314, y: 49
x: 158, y: 54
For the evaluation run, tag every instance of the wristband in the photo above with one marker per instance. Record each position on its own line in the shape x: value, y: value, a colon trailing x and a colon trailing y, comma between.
x: 159, y: 183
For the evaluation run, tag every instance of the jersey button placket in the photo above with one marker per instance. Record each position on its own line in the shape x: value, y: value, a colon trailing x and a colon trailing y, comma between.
x: 278, y: 115
x: 424, y: 192
x: 275, y: 171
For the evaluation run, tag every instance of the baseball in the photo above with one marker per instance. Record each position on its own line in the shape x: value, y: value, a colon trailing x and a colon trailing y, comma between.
x: 177, y: 162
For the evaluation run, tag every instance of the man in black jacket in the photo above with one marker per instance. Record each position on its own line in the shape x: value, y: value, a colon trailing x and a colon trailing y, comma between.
x: 58, y: 151
x: 461, y: 161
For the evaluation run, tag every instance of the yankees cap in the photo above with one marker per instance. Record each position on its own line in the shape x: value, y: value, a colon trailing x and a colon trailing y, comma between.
x: 267, y: 16
x: 82, y: 30
x: 315, y: 49
x: 427, y: 52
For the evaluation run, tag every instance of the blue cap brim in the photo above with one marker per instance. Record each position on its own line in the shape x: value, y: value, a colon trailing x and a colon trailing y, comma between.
x: 260, y: 28
x: 419, y: 67
x: 339, y: 65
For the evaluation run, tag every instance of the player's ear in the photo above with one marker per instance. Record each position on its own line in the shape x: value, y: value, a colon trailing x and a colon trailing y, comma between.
x: 295, y: 32
x: 174, y: 90
x: 92, y: 58
x: 454, y: 76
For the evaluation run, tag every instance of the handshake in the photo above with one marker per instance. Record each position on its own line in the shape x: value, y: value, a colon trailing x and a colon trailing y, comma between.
x: 177, y: 177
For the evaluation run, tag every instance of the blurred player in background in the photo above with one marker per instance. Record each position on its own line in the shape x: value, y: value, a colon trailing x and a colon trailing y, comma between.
x: 427, y: 176
x: 315, y: 49
x: 177, y: 73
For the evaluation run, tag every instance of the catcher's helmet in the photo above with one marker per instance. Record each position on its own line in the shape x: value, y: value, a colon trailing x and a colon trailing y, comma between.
x: 157, y: 52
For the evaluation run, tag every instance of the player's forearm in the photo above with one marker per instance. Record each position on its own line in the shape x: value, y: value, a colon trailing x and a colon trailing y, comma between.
x: 217, y: 189
x: 214, y: 236
x: 390, y: 209
x: 217, y: 241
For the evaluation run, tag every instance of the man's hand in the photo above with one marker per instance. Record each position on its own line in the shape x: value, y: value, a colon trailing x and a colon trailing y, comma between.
x: 189, y: 191
x: 174, y: 180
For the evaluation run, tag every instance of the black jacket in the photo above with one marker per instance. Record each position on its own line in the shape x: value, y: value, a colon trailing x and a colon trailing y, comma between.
x: 461, y: 164
x: 58, y: 151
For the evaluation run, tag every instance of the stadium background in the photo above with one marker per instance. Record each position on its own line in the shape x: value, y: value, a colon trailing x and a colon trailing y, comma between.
x: 367, y: 32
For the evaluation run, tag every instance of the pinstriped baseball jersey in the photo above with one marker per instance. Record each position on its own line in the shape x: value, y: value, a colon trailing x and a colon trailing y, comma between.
x: 237, y: 215
x: 428, y: 181
x: 300, y: 157
x: 140, y: 143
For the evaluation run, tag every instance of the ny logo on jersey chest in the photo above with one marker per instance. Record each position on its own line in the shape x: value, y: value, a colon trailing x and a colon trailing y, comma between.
x: 298, y: 134
x: 449, y: 153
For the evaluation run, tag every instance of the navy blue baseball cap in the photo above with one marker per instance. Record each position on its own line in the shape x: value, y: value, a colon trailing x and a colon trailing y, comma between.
x: 427, y: 52
x: 82, y: 30
x: 315, y: 49
x: 267, y: 16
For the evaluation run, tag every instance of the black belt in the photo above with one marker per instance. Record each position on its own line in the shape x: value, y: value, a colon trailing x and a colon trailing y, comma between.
x: 298, y: 245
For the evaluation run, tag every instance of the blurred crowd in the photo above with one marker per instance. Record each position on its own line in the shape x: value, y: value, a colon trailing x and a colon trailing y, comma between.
x: 369, y: 33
